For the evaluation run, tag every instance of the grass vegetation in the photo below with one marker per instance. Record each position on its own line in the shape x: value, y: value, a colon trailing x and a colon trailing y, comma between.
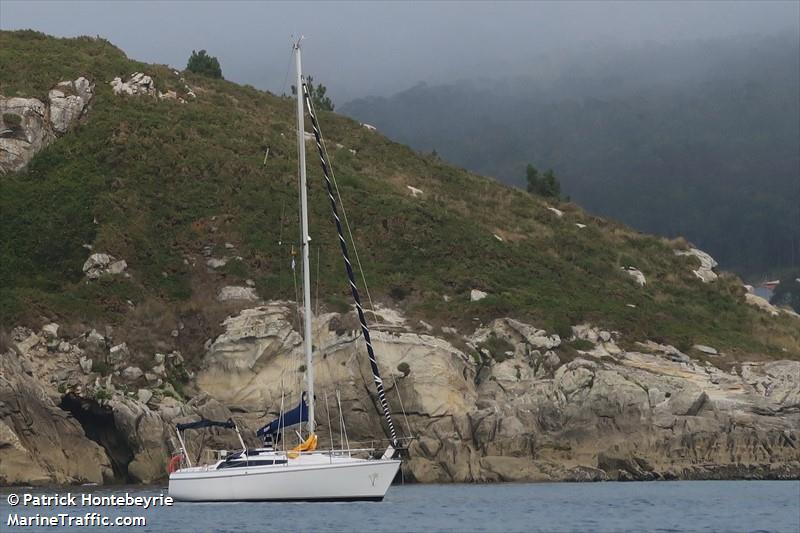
x: 156, y: 181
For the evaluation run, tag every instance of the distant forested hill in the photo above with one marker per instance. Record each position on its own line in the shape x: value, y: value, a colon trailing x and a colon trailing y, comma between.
x: 697, y: 139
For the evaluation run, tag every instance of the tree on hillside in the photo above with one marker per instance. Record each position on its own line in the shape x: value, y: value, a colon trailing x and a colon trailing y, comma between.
x: 202, y: 63
x: 546, y: 184
x: 788, y: 292
x: 318, y: 95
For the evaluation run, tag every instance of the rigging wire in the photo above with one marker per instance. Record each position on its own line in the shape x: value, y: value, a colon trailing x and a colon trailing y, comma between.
x: 355, y: 247
x: 352, y: 241
x: 330, y: 427
x: 288, y: 69
x: 316, y: 312
x: 344, y: 214
x: 403, y: 409
x: 342, y: 426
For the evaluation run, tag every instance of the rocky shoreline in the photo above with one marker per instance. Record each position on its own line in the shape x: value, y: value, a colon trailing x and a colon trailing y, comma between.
x: 506, y: 402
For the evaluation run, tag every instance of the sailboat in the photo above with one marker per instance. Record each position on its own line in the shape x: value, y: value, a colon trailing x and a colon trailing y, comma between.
x: 302, y: 473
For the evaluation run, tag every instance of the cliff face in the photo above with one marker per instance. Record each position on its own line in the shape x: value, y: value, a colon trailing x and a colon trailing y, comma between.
x: 152, y: 219
x: 511, y: 404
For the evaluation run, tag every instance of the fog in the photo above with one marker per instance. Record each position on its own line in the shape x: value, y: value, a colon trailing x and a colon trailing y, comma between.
x: 360, y: 49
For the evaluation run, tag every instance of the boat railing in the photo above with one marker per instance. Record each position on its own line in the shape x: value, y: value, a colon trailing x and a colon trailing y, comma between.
x: 212, y: 457
x: 404, y: 442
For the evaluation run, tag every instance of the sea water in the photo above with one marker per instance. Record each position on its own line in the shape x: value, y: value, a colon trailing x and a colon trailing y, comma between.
x: 549, y: 507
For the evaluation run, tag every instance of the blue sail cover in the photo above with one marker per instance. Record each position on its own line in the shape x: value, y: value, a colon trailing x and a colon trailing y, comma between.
x: 295, y: 416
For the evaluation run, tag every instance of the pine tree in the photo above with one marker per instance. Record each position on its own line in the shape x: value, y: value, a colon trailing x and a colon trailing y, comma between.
x: 318, y: 95
x: 546, y: 184
x: 202, y: 63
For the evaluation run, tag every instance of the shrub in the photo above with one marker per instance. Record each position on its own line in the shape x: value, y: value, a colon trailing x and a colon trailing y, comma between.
x: 581, y: 344
x: 204, y: 64
x: 497, y: 347
x: 561, y: 325
x: 404, y: 368
x: 102, y: 394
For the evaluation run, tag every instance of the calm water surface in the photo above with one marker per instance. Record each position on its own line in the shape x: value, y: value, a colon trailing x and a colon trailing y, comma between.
x: 656, y: 506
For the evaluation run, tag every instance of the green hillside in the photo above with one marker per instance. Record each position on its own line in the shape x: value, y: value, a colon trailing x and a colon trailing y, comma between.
x: 156, y: 182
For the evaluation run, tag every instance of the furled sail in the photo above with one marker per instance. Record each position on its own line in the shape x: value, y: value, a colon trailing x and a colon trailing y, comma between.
x: 295, y: 416
x: 376, y: 375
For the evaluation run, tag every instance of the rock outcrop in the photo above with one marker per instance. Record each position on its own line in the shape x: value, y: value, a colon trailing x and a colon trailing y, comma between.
x: 63, y: 421
x: 636, y: 274
x: 98, y: 265
x: 531, y: 415
x: 761, y: 303
x: 138, y: 84
x: 39, y: 442
x: 141, y: 84
x: 707, y: 264
x: 476, y: 295
x: 508, y: 402
x: 231, y: 292
x: 68, y: 101
x: 27, y: 124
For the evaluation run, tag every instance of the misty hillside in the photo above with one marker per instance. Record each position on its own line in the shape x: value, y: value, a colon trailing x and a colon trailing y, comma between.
x: 698, y: 139
x: 170, y: 184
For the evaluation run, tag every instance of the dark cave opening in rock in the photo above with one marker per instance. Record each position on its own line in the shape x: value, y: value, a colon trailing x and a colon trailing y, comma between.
x: 98, y: 424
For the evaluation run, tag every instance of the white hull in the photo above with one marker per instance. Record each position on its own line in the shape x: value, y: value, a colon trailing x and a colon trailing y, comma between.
x: 312, y: 477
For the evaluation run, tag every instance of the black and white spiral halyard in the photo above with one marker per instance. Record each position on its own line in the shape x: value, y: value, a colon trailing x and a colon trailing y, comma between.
x: 376, y: 375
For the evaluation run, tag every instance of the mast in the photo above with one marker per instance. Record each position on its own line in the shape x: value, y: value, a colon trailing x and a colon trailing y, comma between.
x: 301, y: 146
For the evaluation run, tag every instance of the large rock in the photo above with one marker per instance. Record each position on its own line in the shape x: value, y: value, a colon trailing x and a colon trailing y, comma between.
x: 230, y: 292
x: 27, y: 124
x: 68, y: 101
x: 132, y: 373
x: 139, y: 84
x: 707, y: 264
x: 761, y: 303
x: 636, y: 274
x: 100, y: 264
x: 25, y: 135
x: 476, y: 295
x: 246, y: 363
x: 147, y: 435
x: 39, y: 442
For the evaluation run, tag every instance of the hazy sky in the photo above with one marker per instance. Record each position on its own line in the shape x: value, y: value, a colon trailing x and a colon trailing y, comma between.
x: 361, y: 48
